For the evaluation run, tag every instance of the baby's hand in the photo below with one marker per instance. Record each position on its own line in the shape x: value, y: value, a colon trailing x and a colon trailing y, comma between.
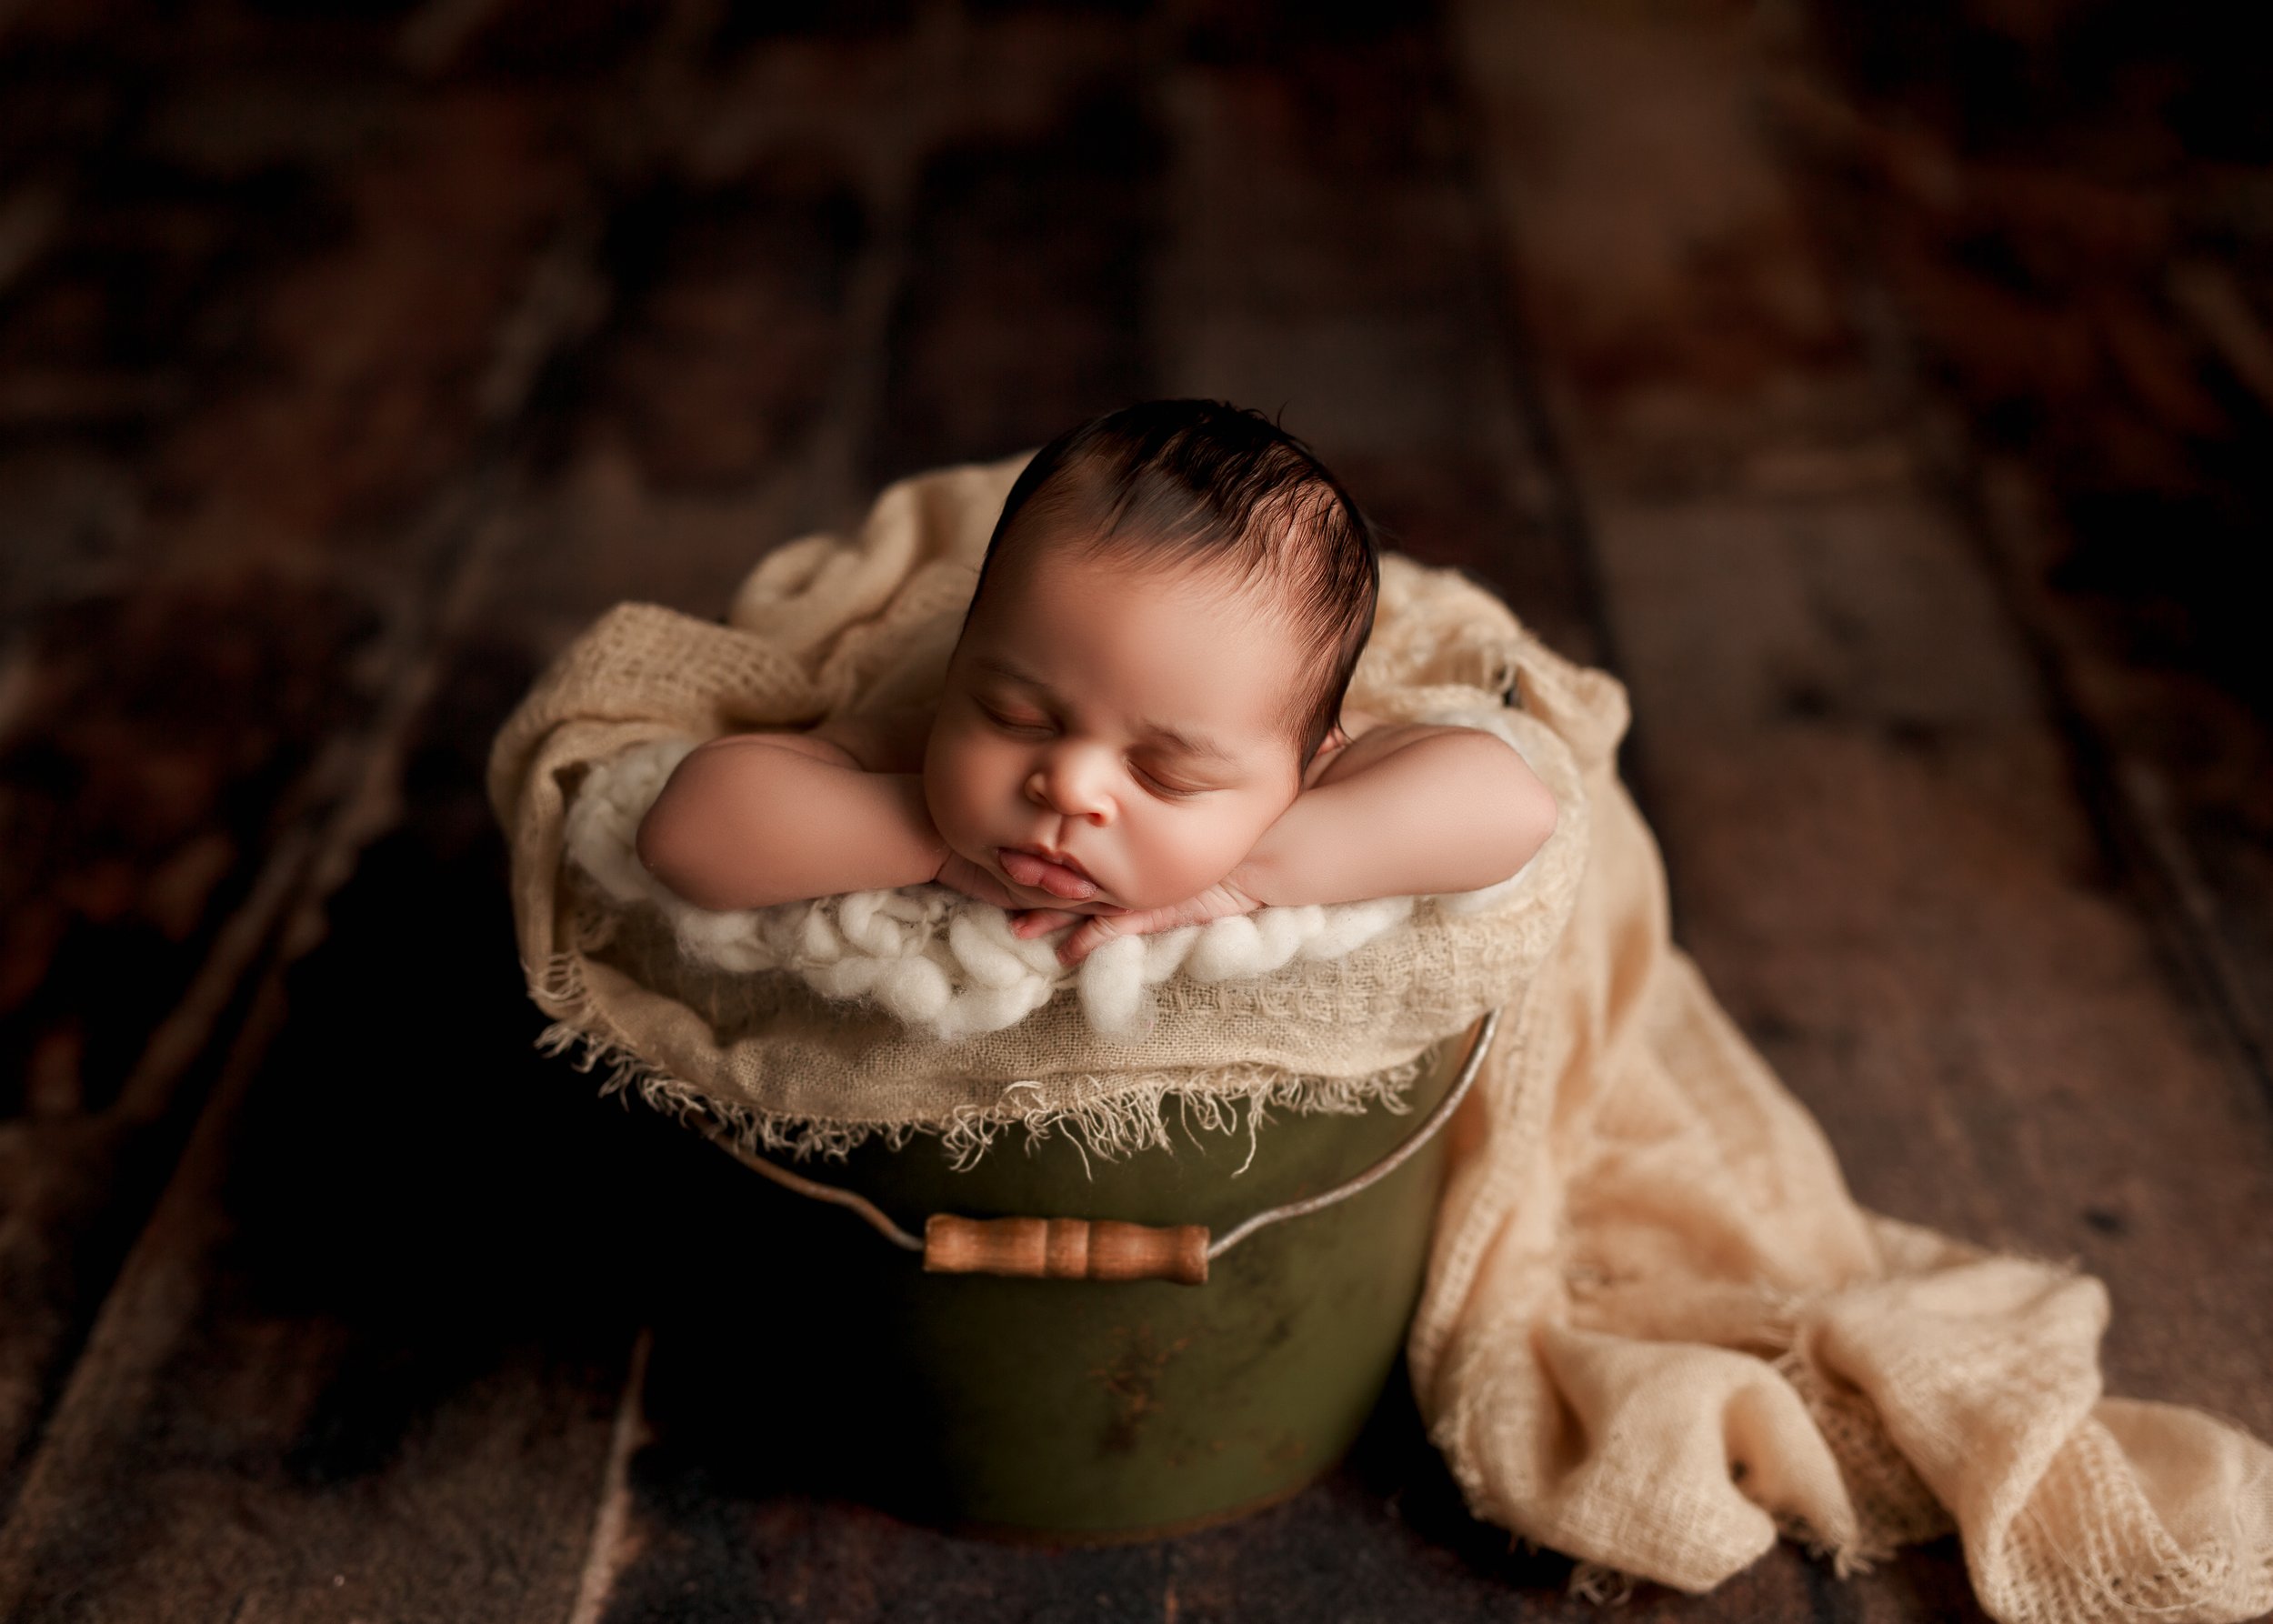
x: 1220, y: 900
x: 958, y: 873
x: 1041, y: 921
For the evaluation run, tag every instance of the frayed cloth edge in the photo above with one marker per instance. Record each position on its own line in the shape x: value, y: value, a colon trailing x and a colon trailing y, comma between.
x: 1134, y: 1117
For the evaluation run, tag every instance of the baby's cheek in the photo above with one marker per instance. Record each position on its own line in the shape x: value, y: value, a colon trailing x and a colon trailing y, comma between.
x: 1185, y: 856
x: 951, y: 793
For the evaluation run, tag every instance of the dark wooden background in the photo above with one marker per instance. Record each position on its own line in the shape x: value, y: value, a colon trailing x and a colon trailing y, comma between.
x: 1882, y: 392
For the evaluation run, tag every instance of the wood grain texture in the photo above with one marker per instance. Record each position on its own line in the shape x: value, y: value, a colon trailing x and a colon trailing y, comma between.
x: 2093, y: 306
x: 210, y: 608
x: 350, y: 363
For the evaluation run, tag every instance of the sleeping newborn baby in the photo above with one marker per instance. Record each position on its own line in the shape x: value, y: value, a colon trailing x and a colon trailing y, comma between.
x: 1141, y: 725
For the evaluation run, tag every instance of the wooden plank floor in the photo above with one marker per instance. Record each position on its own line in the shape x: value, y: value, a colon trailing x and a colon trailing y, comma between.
x: 1885, y: 402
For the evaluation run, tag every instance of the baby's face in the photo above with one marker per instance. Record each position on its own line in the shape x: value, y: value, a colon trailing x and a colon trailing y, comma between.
x: 1050, y: 732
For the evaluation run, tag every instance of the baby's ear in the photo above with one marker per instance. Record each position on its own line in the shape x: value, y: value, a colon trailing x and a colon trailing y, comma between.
x: 1336, y: 739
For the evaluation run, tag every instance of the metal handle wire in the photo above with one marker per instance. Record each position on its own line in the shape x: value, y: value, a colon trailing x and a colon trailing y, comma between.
x: 1438, y: 1116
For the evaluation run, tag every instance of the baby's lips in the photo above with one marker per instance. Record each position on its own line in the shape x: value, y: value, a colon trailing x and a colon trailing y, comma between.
x: 1030, y: 870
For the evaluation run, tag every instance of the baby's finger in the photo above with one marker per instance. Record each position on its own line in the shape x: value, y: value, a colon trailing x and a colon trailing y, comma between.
x: 1094, y: 934
x: 1041, y: 921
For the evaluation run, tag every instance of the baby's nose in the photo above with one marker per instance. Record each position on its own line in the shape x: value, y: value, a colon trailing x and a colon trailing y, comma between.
x: 1067, y: 787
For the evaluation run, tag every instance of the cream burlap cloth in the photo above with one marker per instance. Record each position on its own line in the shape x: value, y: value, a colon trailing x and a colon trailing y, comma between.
x: 1657, y: 1331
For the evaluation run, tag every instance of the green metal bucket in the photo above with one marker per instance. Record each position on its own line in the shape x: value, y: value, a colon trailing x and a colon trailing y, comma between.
x: 1085, y: 1410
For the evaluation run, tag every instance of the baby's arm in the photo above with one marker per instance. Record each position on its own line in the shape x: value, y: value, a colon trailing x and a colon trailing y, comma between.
x: 1405, y: 811
x: 751, y: 819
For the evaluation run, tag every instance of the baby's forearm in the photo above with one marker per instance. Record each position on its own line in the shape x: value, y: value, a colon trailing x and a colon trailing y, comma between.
x: 747, y: 823
x: 1455, y: 809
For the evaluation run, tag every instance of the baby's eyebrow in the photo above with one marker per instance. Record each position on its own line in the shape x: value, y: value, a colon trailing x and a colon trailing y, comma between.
x: 1176, y: 738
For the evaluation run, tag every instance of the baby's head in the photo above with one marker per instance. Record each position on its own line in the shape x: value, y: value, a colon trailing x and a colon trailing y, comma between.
x: 1158, y: 645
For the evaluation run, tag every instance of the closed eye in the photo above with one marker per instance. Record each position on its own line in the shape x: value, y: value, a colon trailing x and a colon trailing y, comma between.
x: 1157, y: 785
x: 1009, y: 724
x: 1170, y: 790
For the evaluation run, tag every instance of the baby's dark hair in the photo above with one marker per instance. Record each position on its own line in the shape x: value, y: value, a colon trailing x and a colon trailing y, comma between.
x: 1200, y: 483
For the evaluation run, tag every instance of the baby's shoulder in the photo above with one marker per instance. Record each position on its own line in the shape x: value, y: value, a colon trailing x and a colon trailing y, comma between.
x: 1355, y: 725
x: 882, y: 741
x: 1370, y: 740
